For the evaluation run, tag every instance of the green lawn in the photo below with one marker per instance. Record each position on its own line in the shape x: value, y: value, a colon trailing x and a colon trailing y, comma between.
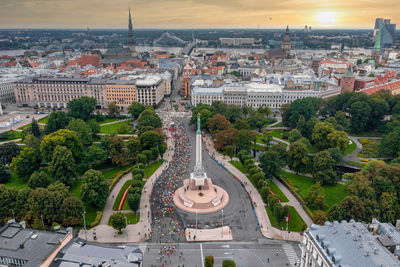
x: 274, y: 188
x: 238, y: 165
x: 296, y: 223
x: 15, y: 182
x: 278, y: 125
x: 44, y: 120
x: 131, y: 218
x: 25, y: 126
x: 76, y: 188
x: 358, y: 164
x: 118, y: 198
x: 276, y: 133
x: 350, y: 148
x: 105, y: 121
x: 302, y: 184
x: 108, y: 174
x: 10, y: 135
x: 149, y: 170
x: 91, y: 213
x: 113, y: 128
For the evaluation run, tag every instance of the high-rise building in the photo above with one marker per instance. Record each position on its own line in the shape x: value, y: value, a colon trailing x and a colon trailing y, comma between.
x: 387, y: 32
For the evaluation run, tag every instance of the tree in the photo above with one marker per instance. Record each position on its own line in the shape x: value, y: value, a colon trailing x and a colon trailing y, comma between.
x: 4, y: 174
x: 244, y: 138
x: 150, y: 139
x: 117, y: 150
x: 57, y: 120
x: 82, y: 130
x: 336, y: 212
x: 294, y: 135
x: 315, y: 197
x: 225, y: 138
x: 305, y: 107
x: 149, y: 118
x: 31, y: 141
x: 297, y: 157
x: 209, y: 261
x: 142, y: 159
x: 264, y: 192
x: 218, y: 123
x: 277, y: 210
x: 8, y: 151
x: 390, y: 144
x: 62, y: 166
x: 228, y: 263
x: 25, y: 163
x: 266, y: 138
x: 133, y: 201
x: 264, y: 111
x: 319, y: 217
x: 360, y: 113
x: 63, y: 137
x: 94, y: 189
x: 39, y: 179
x: 342, y: 122
x: 257, y: 122
x: 241, y: 124
x: 154, y: 153
x: 133, y: 146
x: 71, y: 211
x: 113, y: 109
x: 7, y: 198
x: 323, y: 168
x: 338, y: 139
x: 35, y: 130
x: 117, y: 221
x: 135, y: 108
x: 230, y: 150
x: 94, y: 156
x: 148, y: 155
x: 320, y: 134
x: 272, y: 160
x: 82, y: 108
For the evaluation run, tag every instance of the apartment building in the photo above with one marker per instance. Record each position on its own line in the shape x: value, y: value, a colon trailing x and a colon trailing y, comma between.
x: 122, y: 92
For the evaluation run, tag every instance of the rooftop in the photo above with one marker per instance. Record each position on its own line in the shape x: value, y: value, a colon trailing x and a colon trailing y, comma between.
x: 350, y: 244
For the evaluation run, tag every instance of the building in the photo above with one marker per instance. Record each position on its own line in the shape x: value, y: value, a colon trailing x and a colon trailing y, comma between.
x: 347, y: 81
x: 237, y: 41
x: 20, y: 246
x: 344, y: 244
x: 387, y: 32
x: 93, y: 60
x: 78, y: 252
x: 256, y: 95
x: 150, y: 90
x: 185, y: 86
x: 122, y: 92
x: 286, y: 44
x: 6, y: 90
x: 387, y: 234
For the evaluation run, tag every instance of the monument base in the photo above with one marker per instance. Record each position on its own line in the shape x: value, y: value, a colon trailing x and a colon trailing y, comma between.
x: 204, y: 199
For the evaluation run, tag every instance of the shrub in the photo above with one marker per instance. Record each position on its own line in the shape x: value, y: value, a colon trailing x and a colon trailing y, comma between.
x: 136, y: 183
x: 209, y: 261
x: 97, y: 219
x: 253, y: 171
x: 4, y: 174
x: 137, y: 171
x: 228, y: 263
x: 133, y: 201
x: 134, y: 190
x: 137, y: 177
x: 139, y: 166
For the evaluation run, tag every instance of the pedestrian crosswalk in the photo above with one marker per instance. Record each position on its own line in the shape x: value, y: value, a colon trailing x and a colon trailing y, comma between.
x: 291, y: 254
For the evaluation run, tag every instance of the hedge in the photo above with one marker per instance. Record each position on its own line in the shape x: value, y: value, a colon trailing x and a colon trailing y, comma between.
x: 97, y: 219
x: 117, y: 177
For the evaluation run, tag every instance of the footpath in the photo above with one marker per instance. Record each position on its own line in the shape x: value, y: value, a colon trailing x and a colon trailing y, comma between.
x: 140, y: 231
x: 258, y: 204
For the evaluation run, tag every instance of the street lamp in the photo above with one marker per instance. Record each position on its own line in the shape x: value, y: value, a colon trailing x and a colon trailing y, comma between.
x: 196, y: 222
x: 126, y: 227
x: 84, y: 224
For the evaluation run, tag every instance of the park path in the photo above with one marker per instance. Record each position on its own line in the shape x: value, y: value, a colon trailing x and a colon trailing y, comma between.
x: 140, y: 231
x: 259, y: 206
x: 114, y: 122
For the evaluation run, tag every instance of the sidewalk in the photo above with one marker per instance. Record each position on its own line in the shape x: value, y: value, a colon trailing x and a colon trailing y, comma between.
x: 259, y: 208
x: 140, y: 231
x: 216, y: 234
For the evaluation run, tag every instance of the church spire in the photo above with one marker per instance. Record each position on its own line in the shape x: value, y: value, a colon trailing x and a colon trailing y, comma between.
x: 130, y: 20
x: 130, y: 32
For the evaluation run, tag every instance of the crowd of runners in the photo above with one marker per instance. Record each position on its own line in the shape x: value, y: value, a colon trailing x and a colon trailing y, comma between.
x: 167, y: 225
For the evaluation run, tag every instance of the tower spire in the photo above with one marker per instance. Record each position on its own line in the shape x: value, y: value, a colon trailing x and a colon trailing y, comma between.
x: 130, y: 20
x: 198, y: 168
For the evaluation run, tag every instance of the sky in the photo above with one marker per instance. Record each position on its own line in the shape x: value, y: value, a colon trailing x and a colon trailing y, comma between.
x: 320, y: 14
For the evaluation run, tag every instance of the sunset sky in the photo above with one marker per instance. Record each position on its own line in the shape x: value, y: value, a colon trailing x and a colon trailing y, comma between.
x: 320, y: 14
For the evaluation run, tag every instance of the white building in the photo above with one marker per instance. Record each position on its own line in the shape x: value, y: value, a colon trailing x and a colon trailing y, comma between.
x: 150, y: 90
x: 255, y: 95
x: 7, y: 90
x: 236, y: 41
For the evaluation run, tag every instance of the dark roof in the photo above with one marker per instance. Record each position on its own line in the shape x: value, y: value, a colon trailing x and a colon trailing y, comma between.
x: 31, y: 245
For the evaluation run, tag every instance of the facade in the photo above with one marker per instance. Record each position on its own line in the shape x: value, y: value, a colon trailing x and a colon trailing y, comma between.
x: 122, y: 92
x: 256, y: 95
x: 343, y: 244
x: 286, y: 44
x: 20, y: 246
x: 236, y: 41
x: 185, y: 86
x: 7, y: 91
x: 347, y: 82
x: 150, y: 90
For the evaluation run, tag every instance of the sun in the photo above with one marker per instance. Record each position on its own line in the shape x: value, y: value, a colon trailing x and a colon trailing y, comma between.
x: 326, y: 19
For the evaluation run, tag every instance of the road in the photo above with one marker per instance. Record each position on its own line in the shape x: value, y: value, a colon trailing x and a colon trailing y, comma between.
x: 249, y: 254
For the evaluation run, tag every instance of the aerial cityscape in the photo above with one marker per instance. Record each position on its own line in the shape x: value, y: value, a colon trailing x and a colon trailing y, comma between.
x: 199, y: 133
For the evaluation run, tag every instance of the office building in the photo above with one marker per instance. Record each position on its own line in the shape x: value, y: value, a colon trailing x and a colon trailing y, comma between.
x: 20, y: 246
x: 388, y: 32
x: 344, y: 244
x: 122, y: 92
x: 150, y: 90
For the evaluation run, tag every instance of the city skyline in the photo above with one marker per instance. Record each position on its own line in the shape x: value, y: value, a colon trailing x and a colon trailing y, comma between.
x: 179, y: 14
